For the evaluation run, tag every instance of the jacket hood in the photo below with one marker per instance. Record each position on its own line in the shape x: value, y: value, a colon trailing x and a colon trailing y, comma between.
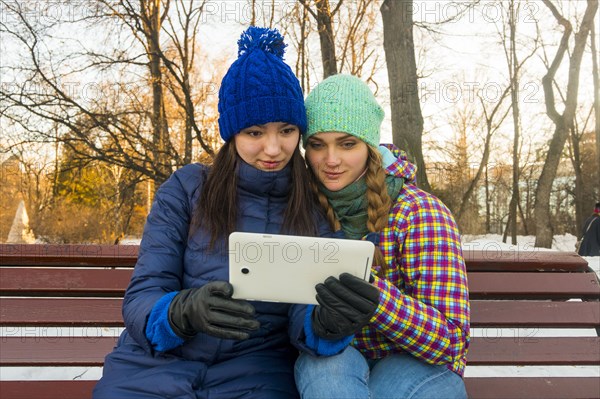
x: 401, y: 167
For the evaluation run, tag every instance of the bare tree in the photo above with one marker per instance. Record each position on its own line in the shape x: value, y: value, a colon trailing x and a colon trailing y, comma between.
x: 466, y: 122
x: 475, y: 120
x: 580, y: 153
x: 302, y: 63
x: 145, y: 21
x: 323, y: 14
x: 493, y: 120
x: 399, y: 48
x: 122, y: 192
x: 34, y: 179
x: 513, y: 67
x: 138, y: 73
x: 407, y: 119
x: 151, y: 16
x: 563, y: 121
x: 596, y: 79
x: 508, y: 35
x: 180, y: 76
x: 296, y: 25
x: 354, y: 35
x: 357, y: 41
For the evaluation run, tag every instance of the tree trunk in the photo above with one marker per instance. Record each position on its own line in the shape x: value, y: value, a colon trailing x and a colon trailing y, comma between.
x: 596, y: 79
x: 407, y: 120
x: 543, y: 227
x: 189, y: 107
x: 159, y: 122
x: 125, y: 206
x: 301, y: 65
x: 579, y: 195
x: 186, y: 68
x: 514, y: 94
x: 325, y: 28
x: 466, y: 198
x: 487, y: 202
x: 525, y: 230
x: 562, y: 122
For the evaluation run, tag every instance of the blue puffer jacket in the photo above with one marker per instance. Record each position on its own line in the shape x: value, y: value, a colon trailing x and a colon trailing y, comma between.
x: 170, y: 260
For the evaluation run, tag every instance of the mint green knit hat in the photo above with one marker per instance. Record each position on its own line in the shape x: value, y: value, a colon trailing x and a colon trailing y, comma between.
x: 343, y: 103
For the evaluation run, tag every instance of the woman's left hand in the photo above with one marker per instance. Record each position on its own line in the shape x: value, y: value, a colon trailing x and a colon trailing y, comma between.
x: 345, y: 306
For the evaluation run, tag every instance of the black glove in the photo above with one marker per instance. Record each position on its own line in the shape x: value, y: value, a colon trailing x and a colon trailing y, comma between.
x: 345, y: 306
x: 210, y: 309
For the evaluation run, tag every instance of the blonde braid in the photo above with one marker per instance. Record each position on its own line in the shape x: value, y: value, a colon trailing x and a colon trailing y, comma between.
x: 378, y: 200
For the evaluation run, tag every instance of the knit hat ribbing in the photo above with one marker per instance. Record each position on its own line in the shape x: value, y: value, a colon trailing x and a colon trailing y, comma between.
x: 344, y: 103
x: 259, y: 87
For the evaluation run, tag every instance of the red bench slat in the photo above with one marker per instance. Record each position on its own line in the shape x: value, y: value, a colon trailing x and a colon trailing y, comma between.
x: 18, y: 311
x: 541, y: 314
x: 489, y: 258
x: 494, y: 285
x: 534, y: 350
x: 477, y: 388
x: 492, y: 258
x: 78, y: 389
x: 55, y: 351
x: 532, y: 387
x: 61, y: 312
x: 73, y: 255
x: 54, y: 282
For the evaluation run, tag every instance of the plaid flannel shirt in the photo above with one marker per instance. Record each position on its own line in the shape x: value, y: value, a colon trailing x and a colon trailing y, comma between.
x: 424, y: 303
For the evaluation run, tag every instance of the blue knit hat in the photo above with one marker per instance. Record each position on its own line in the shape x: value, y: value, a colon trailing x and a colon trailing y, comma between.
x: 259, y: 87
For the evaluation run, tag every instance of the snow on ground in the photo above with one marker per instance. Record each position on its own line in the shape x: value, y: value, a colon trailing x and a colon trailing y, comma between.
x: 485, y: 242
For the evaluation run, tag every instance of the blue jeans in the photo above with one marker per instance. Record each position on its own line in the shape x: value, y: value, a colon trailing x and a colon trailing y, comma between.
x: 350, y: 376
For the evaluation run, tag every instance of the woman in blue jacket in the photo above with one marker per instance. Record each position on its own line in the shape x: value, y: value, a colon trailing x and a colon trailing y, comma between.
x: 185, y: 337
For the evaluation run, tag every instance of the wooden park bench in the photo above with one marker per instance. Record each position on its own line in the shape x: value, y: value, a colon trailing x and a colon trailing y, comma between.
x: 83, y: 286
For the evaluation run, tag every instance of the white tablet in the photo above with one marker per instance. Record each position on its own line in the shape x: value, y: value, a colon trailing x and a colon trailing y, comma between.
x: 283, y: 268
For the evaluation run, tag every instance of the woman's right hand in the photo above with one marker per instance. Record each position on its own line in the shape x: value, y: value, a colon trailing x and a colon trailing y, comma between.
x: 346, y: 305
x: 211, y: 310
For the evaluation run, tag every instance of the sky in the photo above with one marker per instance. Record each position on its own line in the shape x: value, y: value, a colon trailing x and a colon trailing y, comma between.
x: 463, y: 60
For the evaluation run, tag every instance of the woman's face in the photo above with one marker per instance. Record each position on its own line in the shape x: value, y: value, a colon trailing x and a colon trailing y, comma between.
x: 337, y: 159
x: 267, y: 147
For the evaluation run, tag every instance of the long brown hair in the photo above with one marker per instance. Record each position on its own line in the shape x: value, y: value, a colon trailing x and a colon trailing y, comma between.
x: 216, y: 209
x: 378, y: 200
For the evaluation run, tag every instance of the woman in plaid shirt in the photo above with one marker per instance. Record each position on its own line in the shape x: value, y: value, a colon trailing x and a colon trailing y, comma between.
x: 416, y: 342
